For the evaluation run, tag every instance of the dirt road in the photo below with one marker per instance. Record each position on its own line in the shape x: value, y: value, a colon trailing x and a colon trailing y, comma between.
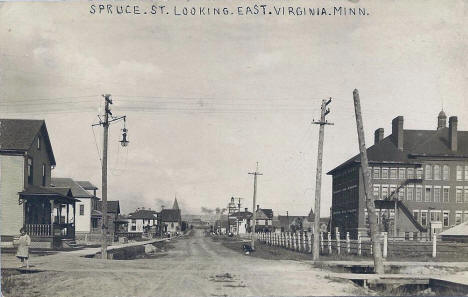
x: 196, y: 266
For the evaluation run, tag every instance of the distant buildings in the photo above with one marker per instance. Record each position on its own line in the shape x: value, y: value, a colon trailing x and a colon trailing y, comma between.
x: 422, y: 174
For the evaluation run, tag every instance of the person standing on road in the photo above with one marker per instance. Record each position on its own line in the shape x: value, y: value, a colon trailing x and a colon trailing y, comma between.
x: 23, y: 248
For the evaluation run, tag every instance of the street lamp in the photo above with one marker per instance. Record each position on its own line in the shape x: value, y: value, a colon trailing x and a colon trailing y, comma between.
x: 124, y: 142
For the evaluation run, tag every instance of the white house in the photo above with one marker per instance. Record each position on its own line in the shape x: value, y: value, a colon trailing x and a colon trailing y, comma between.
x: 143, y: 220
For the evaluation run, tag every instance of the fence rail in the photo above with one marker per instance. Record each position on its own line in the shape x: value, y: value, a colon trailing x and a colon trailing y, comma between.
x: 362, y: 246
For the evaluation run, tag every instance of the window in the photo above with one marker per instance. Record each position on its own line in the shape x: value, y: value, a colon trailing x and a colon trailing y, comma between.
x: 393, y: 173
x: 38, y: 143
x: 418, y: 193
x: 133, y: 227
x: 419, y: 173
x: 459, y: 173
x: 436, y: 194
x: 446, y: 218
x: 30, y: 170
x: 466, y: 195
x: 409, y: 192
x: 384, y: 173
x: 393, y: 191
x: 428, y: 172
x: 458, y: 217
x: 435, y: 216
x: 459, y: 195
x: 446, y: 194
x: 401, y: 173
x: 384, y: 191
x: 423, y: 217
x: 376, y: 172
x: 466, y: 172
x: 436, y: 172
x: 401, y: 193
x: 428, y: 194
x: 376, y: 191
x: 43, y: 175
x: 410, y: 173
x: 81, y: 209
x: 446, y: 172
x: 416, y: 215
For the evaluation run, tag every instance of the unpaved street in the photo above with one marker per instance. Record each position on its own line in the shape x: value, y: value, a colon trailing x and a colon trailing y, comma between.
x: 196, y: 266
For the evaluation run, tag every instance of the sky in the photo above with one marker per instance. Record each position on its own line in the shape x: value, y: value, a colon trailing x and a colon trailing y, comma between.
x: 206, y: 97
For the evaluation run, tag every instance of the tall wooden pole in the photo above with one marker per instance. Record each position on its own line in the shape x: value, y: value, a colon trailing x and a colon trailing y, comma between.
x: 104, y: 228
x: 318, y: 178
x: 376, y: 250
x: 254, y: 212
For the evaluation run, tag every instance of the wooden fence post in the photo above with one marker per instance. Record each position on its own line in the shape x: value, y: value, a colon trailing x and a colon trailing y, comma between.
x: 309, y: 239
x: 329, y: 243
x: 338, y: 243
x: 321, y: 242
x: 434, y: 245
x: 359, y: 249
x: 348, y: 242
x: 385, y: 245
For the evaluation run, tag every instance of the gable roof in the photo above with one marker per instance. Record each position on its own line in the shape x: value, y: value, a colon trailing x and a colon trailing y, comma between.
x: 170, y: 215
x: 144, y: 214
x: 19, y: 135
x: 416, y: 143
x: 241, y: 215
x: 87, y: 185
x: 112, y: 206
x: 268, y: 212
x: 76, y: 189
x: 458, y: 230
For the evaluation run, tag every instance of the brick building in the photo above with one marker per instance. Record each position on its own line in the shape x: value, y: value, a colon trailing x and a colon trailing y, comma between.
x: 419, y: 180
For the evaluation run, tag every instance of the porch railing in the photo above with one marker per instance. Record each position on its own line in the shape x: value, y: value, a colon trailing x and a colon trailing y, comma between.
x: 39, y: 230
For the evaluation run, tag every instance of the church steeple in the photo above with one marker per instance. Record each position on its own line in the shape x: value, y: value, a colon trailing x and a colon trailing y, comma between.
x: 175, y: 205
x: 441, y: 120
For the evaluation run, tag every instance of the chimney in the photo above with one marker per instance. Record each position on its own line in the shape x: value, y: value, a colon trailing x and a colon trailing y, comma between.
x: 378, y: 135
x: 246, y: 209
x: 258, y: 207
x: 453, y: 123
x: 397, y: 132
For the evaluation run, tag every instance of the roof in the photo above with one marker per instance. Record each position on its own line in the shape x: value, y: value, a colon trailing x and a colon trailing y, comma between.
x: 267, y: 213
x: 112, y: 206
x: 51, y: 192
x: 76, y: 189
x: 458, y: 230
x: 87, y: 185
x: 170, y: 215
x: 416, y: 143
x: 19, y: 135
x: 241, y: 215
x: 144, y: 214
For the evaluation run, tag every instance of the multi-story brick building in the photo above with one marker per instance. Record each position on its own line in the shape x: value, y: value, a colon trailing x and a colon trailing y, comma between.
x: 419, y: 177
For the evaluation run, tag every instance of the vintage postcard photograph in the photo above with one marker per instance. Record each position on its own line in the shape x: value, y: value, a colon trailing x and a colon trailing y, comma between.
x: 234, y: 148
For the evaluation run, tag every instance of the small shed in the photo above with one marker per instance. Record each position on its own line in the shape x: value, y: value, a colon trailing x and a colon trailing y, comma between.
x: 458, y: 233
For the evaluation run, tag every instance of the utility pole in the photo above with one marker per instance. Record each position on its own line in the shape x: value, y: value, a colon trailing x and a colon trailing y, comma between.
x: 124, y: 142
x: 254, y: 213
x: 376, y: 251
x: 318, y: 176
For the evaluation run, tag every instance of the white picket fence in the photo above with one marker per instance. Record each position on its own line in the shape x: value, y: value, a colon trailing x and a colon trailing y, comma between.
x: 303, y: 242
